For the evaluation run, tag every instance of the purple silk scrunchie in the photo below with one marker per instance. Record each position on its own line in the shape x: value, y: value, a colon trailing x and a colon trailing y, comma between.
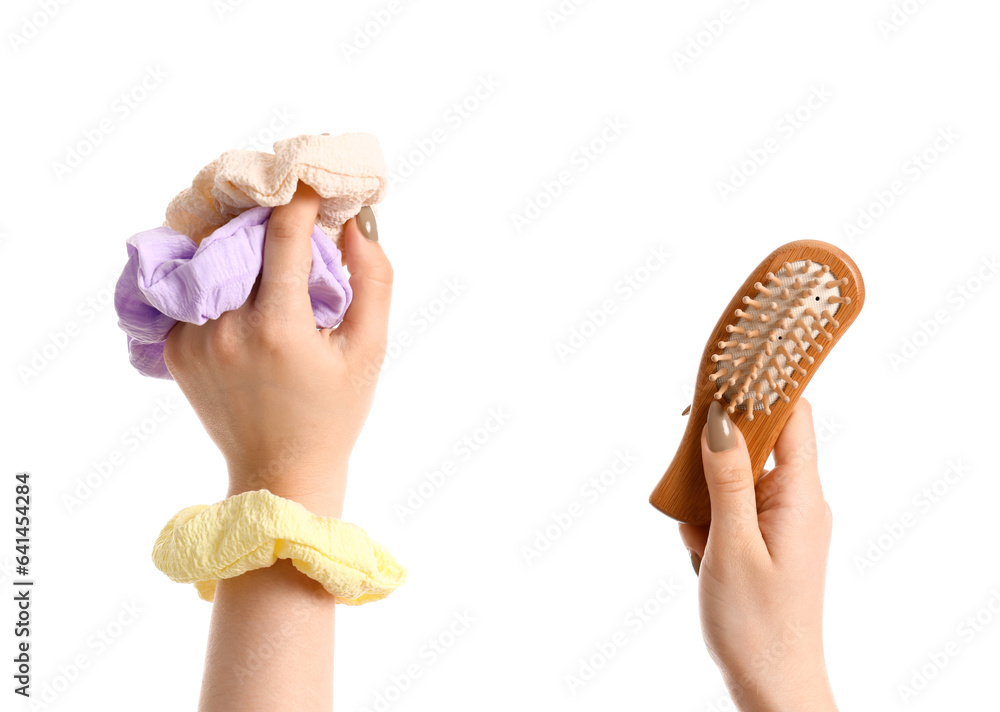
x: 168, y: 278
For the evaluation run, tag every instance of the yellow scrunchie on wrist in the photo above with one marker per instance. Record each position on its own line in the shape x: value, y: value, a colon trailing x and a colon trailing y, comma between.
x: 205, y: 543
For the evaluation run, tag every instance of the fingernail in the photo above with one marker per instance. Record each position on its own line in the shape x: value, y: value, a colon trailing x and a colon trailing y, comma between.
x: 721, y: 431
x: 695, y: 562
x: 366, y: 223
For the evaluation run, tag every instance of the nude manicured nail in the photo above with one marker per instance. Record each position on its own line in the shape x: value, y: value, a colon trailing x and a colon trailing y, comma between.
x: 721, y: 431
x: 366, y: 223
x: 696, y: 563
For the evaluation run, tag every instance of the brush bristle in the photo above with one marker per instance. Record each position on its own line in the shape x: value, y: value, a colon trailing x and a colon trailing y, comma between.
x: 776, y: 332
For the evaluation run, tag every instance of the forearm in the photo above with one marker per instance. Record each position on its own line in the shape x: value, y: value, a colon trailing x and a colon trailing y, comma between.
x: 271, y: 641
x: 271, y: 644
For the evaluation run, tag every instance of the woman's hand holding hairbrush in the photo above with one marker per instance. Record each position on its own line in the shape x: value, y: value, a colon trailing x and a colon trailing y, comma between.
x: 762, y: 566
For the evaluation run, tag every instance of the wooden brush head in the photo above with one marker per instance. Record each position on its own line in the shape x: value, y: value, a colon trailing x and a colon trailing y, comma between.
x: 765, y: 348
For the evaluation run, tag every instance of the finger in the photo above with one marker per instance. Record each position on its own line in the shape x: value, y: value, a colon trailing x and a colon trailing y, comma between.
x: 366, y: 325
x: 288, y: 253
x: 729, y: 477
x: 694, y: 538
x: 796, y: 444
x: 795, y: 452
x: 254, y: 291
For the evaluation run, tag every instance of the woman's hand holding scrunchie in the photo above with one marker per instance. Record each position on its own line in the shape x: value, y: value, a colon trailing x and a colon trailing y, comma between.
x: 283, y: 400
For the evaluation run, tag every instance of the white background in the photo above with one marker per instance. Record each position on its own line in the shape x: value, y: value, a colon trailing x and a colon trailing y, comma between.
x: 887, y: 431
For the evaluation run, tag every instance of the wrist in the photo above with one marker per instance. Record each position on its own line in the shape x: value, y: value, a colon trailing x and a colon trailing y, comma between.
x: 804, y: 691
x: 320, y: 503
x: 320, y: 490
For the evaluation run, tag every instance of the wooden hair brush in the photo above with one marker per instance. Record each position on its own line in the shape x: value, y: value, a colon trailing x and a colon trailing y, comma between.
x: 765, y: 348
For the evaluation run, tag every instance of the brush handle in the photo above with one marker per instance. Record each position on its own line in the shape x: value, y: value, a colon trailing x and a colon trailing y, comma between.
x: 682, y: 493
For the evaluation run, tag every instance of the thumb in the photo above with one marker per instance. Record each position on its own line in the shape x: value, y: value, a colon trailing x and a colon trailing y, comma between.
x: 729, y: 477
x: 366, y: 325
x: 284, y: 282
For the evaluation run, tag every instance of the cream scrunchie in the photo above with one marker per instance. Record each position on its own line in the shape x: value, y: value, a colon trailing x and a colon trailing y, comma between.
x: 205, y: 543
x: 347, y: 171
